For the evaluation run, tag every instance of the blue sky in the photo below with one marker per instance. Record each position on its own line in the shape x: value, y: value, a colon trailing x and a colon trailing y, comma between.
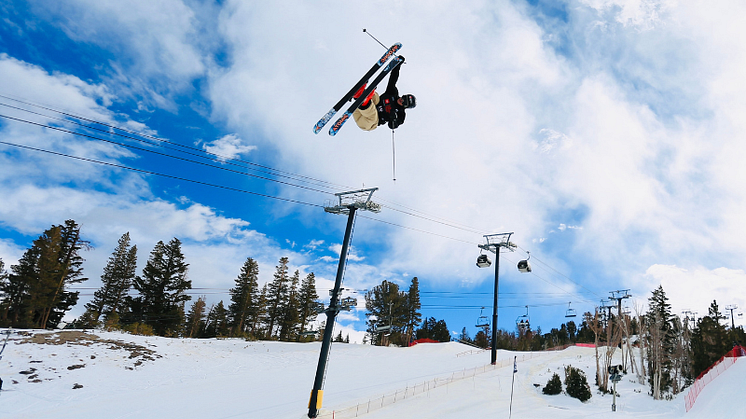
x: 606, y: 134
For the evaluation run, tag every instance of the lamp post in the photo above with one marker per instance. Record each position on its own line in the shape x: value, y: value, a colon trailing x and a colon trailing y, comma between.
x: 349, y: 202
x: 494, y: 243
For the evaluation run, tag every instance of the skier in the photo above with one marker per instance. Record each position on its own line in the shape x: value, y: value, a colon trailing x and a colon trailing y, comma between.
x: 384, y: 109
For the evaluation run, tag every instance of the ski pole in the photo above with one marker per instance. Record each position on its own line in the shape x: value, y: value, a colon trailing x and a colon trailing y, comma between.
x: 364, y: 30
x: 393, y: 154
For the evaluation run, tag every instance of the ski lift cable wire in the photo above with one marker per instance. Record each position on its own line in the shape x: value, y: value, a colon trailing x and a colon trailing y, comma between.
x: 203, y: 154
x: 66, y: 131
x: 559, y: 273
x: 149, y: 172
x: 154, y: 138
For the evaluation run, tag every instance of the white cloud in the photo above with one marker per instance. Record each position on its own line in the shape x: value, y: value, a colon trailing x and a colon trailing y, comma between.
x: 30, y: 83
x: 228, y: 147
x: 10, y: 253
x: 313, y: 244
x: 351, y: 253
x: 158, y: 44
x: 695, y: 289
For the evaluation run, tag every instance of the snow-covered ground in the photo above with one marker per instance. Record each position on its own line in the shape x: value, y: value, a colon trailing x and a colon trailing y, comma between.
x: 114, y: 375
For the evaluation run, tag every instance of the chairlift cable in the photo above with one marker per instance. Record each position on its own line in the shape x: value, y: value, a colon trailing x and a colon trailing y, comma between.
x: 148, y: 172
x: 204, y: 154
x: 159, y: 153
x: 154, y: 138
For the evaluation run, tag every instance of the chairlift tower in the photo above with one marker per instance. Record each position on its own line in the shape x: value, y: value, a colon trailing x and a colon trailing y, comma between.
x: 606, y: 306
x: 495, y: 242
x: 349, y: 203
x: 732, y: 319
x: 690, y: 316
x: 620, y: 295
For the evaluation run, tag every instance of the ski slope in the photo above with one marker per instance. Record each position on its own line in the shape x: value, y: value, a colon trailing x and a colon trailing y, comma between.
x: 114, y: 375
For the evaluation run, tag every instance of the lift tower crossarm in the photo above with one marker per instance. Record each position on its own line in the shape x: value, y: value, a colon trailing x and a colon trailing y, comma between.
x: 359, y: 199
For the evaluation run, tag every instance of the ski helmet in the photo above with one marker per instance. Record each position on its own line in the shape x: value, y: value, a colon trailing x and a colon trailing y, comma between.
x: 409, y: 101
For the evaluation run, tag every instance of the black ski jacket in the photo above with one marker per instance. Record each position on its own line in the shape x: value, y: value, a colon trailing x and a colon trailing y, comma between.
x: 389, y: 111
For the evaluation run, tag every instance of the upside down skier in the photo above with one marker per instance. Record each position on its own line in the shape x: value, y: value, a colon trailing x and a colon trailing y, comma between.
x: 388, y: 108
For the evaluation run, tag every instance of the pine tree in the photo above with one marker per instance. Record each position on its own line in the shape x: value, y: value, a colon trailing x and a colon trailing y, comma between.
x: 482, y: 338
x: 261, y: 326
x: 554, y: 386
x: 217, y: 321
x: 386, y: 305
x: 4, y: 295
x: 308, y: 300
x: 244, y: 309
x: 413, y: 309
x: 571, y: 330
x: 162, y: 288
x: 195, y: 323
x: 16, y: 290
x: 577, y: 384
x: 709, y: 340
x: 660, y: 343
x: 434, y: 329
x: 464, y: 336
x: 277, y: 296
x: 35, y: 293
x: 289, y: 322
x: 116, y: 280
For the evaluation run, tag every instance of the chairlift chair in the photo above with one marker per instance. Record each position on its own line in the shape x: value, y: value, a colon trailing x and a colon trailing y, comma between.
x: 483, y: 261
x: 523, y: 321
x: 482, y: 321
x: 523, y: 265
x: 570, y: 311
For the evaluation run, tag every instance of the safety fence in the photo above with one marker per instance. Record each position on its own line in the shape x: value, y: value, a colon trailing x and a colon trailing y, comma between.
x: 470, y: 352
x: 711, y: 373
x: 374, y: 404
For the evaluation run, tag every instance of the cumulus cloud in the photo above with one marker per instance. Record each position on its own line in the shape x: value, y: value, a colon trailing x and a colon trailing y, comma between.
x: 696, y: 288
x: 159, y: 45
x: 228, y: 147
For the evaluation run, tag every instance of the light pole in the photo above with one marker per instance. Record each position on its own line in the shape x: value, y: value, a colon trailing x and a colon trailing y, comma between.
x: 494, y: 243
x: 349, y: 202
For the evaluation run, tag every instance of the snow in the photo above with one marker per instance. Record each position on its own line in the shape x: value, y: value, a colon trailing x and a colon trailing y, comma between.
x: 126, y: 376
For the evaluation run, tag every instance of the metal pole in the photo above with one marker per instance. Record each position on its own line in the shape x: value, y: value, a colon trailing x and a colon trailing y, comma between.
x: 494, y: 307
x: 331, y: 313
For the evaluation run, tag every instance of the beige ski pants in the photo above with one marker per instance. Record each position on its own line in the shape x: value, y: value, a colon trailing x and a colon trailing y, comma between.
x: 367, y: 119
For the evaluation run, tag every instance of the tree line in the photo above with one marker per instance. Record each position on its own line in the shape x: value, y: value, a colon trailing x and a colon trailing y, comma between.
x: 673, y: 351
x: 36, y: 293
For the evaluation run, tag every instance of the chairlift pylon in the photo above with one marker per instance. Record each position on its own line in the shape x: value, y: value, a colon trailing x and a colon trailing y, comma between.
x: 482, y: 321
x: 523, y: 265
x: 570, y: 311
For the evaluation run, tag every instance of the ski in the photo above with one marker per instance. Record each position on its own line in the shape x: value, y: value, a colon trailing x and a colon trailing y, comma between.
x: 326, y: 118
x: 359, y: 101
